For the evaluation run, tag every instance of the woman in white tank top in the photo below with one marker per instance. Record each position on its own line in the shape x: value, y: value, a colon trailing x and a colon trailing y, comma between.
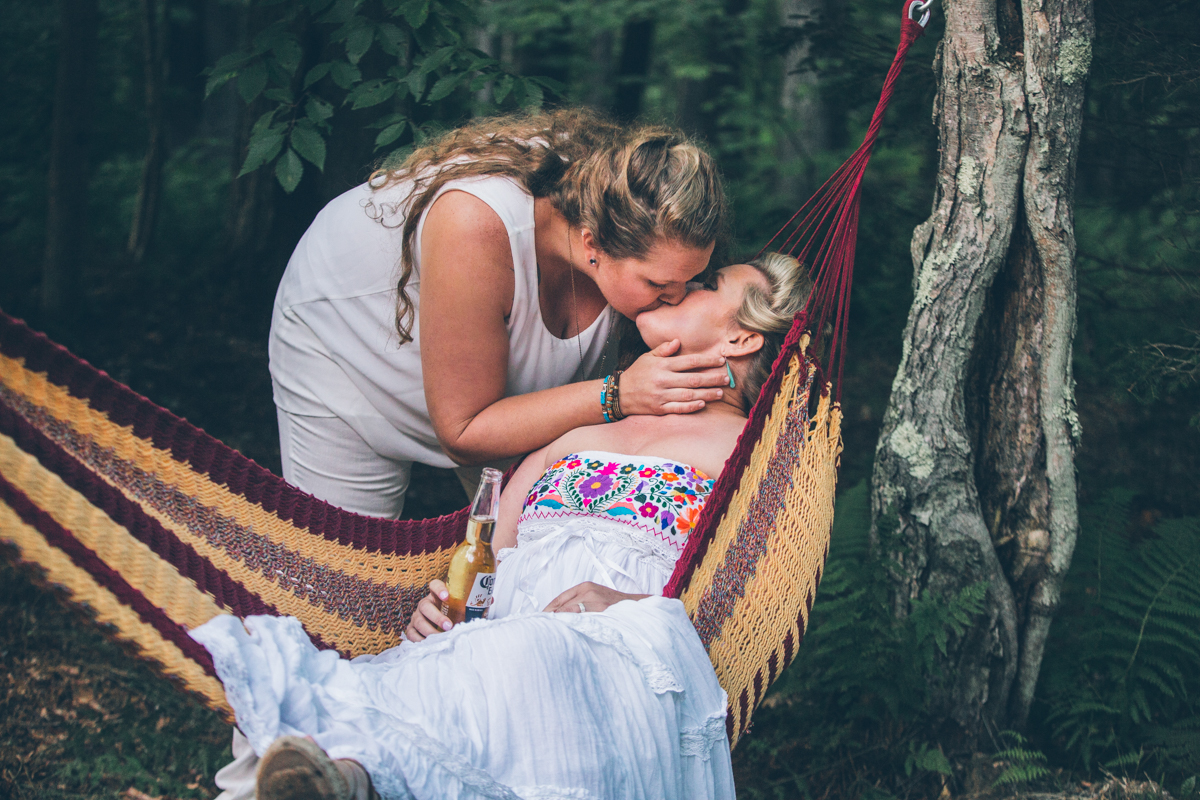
x: 449, y: 312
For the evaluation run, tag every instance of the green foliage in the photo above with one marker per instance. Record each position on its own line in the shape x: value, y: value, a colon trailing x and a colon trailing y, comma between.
x: 406, y: 56
x: 854, y: 707
x: 1120, y: 680
x: 1024, y: 765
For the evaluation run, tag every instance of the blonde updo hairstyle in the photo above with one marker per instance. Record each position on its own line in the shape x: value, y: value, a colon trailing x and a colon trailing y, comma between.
x: 770, y: 313
x: 631, y: 187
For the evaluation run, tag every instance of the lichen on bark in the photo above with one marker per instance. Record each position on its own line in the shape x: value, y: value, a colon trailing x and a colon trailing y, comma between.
x: 974, y: 464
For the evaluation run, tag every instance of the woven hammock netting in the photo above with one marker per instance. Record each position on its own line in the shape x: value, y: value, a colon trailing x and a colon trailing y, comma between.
x: 155, y: 527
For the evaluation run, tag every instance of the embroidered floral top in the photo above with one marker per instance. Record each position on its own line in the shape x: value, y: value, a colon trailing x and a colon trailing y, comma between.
x: 659, y: 497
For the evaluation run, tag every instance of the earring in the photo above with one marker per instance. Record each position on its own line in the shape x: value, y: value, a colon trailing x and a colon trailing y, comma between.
x: 729, y: 372
x: 592, y: 261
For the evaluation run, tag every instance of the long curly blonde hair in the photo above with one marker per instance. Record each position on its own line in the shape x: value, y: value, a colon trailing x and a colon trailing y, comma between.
x: 630, y: 186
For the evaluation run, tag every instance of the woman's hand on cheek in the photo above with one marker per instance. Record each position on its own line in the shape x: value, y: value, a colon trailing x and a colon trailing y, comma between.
x: 427, y: 618
x: 592, y: 596
x: 661, y: 383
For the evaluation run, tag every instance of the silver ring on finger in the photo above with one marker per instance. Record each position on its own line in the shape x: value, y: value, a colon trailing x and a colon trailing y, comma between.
x: 582, y: 608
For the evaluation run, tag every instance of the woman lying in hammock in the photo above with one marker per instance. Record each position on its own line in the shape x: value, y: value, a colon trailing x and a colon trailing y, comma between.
x: 618, y: 702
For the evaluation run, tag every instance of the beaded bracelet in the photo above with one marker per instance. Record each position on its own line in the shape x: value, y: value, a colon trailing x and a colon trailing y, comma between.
x: 610, y: 398
x: 620, y: 415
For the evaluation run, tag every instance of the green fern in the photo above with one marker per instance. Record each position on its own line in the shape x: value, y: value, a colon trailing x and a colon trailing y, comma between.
x: 1121, y: 672
x: 859, y: 691
x: 1025, y: 765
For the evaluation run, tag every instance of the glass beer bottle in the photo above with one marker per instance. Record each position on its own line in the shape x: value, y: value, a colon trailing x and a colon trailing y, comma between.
x: 473, y: 565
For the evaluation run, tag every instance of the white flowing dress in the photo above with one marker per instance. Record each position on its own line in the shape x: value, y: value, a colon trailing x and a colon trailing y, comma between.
x: 524, y: 704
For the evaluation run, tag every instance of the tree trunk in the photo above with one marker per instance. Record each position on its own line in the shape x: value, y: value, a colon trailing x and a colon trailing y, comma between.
x: 974, y: 476
x: 599, y: 79
x: 67, y: 181
x: 806, y: 129
x: 637, y: 39
x: 145, y: 210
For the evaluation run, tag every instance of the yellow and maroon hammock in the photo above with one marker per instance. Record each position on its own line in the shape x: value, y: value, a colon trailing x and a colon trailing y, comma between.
x: 155, y: 527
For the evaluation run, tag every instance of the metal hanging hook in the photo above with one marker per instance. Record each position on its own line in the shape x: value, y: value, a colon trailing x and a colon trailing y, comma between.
x: 925, y: 6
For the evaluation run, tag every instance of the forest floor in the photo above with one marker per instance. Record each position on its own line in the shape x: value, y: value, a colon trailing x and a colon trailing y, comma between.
x: 83, y: 717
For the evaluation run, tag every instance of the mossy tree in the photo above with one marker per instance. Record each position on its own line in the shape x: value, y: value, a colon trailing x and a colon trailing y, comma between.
x: 974, y: 476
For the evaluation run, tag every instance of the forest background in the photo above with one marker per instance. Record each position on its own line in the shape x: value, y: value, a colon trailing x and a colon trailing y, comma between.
x: 148, y: 232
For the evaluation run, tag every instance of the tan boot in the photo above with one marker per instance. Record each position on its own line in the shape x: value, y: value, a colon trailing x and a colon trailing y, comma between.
x: 295, y: 768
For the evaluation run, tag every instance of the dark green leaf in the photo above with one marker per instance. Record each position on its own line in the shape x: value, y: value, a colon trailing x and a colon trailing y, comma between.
x: 392, y: 39
x: 371, y: 93
x: 317, y: 6
x: 264, y: 146
x: 390, y: 134
x: 445, y: 85
x: 225, y: 70
x: 484, y: 63
x: 252, y: 80
x: 436, y: 31
x: 287, y: 53
x: 416, y: 12
x: 388, y: 119
x: 437, y: 59
x: 263, y: 122
x: 309, y: 143
x: 344, y: 75
x: 458, y: 10
x: 533, y: 94
x: 289, y: 170
x: 416, y: 83
x: 283, y: 96
x: 502, y: 87
x: 270, y: 38
x: 558, y: 87
x: 340, y: 12
x: 316, y: 73
x: 359, y: 42
x: 318, y: 110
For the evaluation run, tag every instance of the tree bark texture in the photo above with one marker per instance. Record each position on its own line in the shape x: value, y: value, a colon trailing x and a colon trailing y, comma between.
x: 145, y: 209
x: 974, y: 471
x: 806, y: 130
x: 67, y: 180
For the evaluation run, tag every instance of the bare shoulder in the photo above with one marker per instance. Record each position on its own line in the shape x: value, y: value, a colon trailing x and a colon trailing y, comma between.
x: 461, y: 229
x: 466, y: 259
x: 464, y: 212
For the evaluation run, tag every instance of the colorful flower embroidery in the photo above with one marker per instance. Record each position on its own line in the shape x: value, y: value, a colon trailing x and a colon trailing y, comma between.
x: 595, y: 485
x: 663, y: 499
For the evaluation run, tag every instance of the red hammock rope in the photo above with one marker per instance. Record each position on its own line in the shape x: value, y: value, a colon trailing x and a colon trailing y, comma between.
x: 823, y: 233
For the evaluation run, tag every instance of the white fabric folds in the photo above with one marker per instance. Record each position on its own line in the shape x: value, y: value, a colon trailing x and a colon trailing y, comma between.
x: 618, y: 704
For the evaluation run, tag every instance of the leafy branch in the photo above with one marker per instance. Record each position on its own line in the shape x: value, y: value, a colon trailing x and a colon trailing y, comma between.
x: 422, y: 59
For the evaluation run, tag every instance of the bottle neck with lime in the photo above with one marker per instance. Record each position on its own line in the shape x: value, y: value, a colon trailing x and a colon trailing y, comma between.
x: 473, y: 565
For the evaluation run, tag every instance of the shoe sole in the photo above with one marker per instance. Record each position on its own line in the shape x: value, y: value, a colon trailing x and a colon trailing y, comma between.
x: 294, y: 768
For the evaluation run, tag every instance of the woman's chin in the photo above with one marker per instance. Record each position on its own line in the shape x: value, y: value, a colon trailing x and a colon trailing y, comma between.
x: 650, y: 336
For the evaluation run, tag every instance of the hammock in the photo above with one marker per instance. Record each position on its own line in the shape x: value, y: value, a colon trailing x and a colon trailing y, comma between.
x: 155, y: 527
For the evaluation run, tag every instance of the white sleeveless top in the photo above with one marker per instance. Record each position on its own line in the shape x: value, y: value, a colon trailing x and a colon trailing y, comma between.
x: 334, y: 350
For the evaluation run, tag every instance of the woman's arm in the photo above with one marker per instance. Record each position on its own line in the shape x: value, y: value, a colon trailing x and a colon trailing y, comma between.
x: 466, y: 290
